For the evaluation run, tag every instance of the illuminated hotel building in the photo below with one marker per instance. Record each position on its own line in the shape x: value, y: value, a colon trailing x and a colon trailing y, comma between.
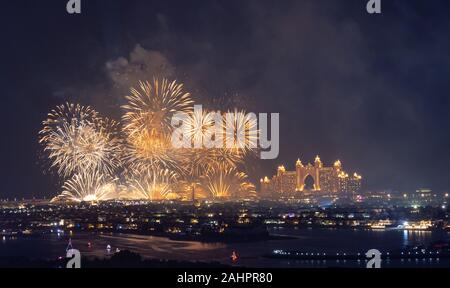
x: 349, y: 186
x: 333, y: 180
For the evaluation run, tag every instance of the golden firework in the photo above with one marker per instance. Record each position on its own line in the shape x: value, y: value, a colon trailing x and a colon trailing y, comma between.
x: 150, y: 107
x: 88, y: 187
x: 90, y: 151
x: 154, y: 185
x: 147, y: 124
x: 227, y: 183
x: 241, y: 132
x: 144, y: 152
x: 76, y: 139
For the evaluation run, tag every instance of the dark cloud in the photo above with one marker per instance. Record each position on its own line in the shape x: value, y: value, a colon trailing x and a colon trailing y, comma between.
x: 368, y: 89
x: 142, y: 64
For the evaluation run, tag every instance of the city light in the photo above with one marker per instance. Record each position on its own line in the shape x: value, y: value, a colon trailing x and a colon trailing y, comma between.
x: 225, y: 135
x: 326, y: 180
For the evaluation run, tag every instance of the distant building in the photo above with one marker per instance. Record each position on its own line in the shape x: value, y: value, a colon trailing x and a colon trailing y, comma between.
x: 424, y: 197
x: 349, y: 186
x: 333, y: 180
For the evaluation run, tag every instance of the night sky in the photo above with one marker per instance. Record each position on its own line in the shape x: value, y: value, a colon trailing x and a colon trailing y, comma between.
x: 370, y: 90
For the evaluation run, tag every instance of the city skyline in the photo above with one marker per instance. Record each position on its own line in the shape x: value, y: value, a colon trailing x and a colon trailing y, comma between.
x: 256, y: 137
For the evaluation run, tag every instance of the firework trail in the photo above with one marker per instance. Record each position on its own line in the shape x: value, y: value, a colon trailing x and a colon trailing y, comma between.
x: 227, y: 183
x: 155, y: 185
x: 88, y: 187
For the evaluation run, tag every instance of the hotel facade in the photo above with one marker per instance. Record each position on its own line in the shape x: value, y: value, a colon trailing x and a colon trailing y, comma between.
x: 324, y: 180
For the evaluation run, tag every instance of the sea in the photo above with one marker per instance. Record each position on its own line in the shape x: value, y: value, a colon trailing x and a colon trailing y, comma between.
x: 251, y: 254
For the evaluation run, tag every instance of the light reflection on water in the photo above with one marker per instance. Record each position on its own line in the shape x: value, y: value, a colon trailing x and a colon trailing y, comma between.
x: 414, y: 237
x: 251, y: 254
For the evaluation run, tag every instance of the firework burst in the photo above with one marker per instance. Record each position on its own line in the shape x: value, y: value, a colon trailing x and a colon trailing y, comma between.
x: 227, y: 183
x: 214, y: 167
x: 197, y: 127
x: 241, y: 132
x: 147, y: 124
x: 152, y: 186
x: 89, y: 150
x: 76, y: 139
x: 69, y: 112
x: 88, y: 187
x: 231, y: 137
x: 150, y: 108
x: 143, y: 153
